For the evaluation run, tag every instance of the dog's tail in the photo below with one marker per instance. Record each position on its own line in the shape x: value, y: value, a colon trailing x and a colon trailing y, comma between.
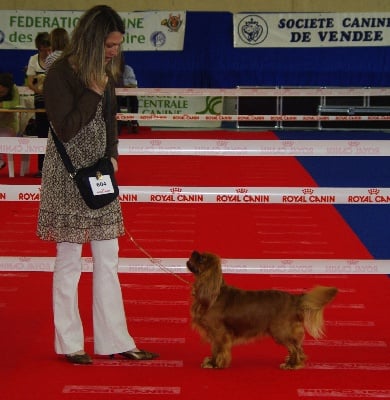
x: 313, y: 304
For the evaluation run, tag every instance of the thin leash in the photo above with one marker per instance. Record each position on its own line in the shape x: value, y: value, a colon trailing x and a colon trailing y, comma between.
x: 153, y: 260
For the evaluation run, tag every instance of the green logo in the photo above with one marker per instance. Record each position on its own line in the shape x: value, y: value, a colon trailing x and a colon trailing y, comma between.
x: 211, y: 104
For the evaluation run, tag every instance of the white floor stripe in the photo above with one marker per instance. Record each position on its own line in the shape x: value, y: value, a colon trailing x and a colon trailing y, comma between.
x: 159, y: 320
x: 346, y: 343
x: 136, y: 286
x: 172, y: 303
x: 305, y: 289
x: 351, y: 323
x: 120, y: 362
x: 160, y: 340
x: 100, y: 389
x: 350, y: 366
x: 8, y: 289
x: 348, y: 393
x: 348, y: 306
x: 148, y: 340
x: 13, y: 275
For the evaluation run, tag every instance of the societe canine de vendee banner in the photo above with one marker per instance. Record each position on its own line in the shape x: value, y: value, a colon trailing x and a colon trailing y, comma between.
x: 145, y: 31
x: 311, y: 29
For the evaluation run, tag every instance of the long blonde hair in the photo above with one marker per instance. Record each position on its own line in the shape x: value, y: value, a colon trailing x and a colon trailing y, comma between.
x: 86, y: 50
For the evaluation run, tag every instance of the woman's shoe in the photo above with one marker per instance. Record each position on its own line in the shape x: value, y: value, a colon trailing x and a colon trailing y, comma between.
x: 137, y: 355
x: 79, y: 358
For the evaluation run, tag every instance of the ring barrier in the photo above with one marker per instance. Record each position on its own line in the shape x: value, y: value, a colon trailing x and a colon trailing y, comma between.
x: 226, y: 195
x: 247, y: 91
x: 248, y: 117
x: 257, y: 91
x: 295, y: 267
x: 221, y: 147
x: 376, y: 113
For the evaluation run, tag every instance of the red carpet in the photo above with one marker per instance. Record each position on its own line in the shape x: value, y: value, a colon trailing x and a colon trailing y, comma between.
x: 351, y: 362
x: 233, y: 231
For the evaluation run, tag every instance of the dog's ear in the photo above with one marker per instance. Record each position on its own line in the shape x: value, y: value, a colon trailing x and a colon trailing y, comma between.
x: 208, y: 284
x: 195, y: 254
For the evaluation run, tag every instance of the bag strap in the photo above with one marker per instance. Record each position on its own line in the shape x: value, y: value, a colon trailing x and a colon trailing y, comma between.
x: 61, y: 148
x: 108, y: 110
x: 64, y: 155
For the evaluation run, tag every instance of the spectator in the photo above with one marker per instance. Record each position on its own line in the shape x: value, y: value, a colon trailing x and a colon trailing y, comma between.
x: 36, y: 70
x: 59, y: 39
x: 129, y: 103
x: 9, y: 98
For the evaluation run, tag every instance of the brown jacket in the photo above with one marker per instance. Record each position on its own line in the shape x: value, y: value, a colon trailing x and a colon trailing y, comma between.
x: 70, y: 105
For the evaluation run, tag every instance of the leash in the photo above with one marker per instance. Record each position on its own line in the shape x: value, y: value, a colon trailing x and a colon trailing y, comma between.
x: 153, y: 260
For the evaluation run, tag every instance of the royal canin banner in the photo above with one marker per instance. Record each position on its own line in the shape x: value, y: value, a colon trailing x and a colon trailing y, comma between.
x: 145, y: 31
x: 311, y: 29
x: 220, y: 147
x: 225, y: 195
x: 292, y: 267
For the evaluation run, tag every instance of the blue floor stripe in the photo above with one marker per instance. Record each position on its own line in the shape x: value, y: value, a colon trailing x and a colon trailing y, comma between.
x: 369, y: 222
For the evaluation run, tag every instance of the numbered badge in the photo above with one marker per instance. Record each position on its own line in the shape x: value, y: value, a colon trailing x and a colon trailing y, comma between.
x: 101, y: 184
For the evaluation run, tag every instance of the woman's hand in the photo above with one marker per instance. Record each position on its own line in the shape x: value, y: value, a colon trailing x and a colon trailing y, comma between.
x: 114, y: 164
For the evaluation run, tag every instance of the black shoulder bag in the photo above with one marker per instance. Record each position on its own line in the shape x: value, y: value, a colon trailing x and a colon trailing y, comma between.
x: 96, y: 183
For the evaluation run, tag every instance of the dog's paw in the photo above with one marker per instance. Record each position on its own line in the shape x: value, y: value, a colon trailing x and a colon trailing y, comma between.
x: 208, y: 363
x: 287, y: 365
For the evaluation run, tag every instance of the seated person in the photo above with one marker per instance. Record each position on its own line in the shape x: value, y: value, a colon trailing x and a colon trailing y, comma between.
x: 35, y: 73
x: 9, y: 98
x: 130, y: 103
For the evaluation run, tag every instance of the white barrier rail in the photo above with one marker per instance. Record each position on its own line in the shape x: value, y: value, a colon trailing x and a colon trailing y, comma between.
x: 220, y: 147
x: 225, y: 195
x: 249, y: 118
x: 247, y: 91
x: 240, y: 266
x: 256, y: 91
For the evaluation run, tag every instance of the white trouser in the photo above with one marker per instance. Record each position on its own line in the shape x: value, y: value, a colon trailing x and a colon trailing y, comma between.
x: 109, y: 321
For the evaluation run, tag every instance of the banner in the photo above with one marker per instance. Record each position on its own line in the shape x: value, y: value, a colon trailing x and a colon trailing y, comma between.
x: 182, y: 105
x: 292, y: 267
x: 221, y: 147
x: 145, y: 31
x: 225, y: 195
x: 311, y: 29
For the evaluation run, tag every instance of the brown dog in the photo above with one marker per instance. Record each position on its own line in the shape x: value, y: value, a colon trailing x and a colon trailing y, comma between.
x: 225, y: 315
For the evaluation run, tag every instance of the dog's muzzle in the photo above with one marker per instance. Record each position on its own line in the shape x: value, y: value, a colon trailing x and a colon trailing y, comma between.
x: 193, y: 268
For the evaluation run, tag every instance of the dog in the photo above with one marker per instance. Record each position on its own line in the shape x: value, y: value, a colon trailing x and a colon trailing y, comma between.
x: 38, y: 82
x: 225, y: 315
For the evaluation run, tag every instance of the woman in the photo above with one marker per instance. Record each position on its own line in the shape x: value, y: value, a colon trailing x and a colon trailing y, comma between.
x: 35, y: 74
x: 81, y: 105
x: 130, y: 103
x: 59, y: 39
x: 9, y: 98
